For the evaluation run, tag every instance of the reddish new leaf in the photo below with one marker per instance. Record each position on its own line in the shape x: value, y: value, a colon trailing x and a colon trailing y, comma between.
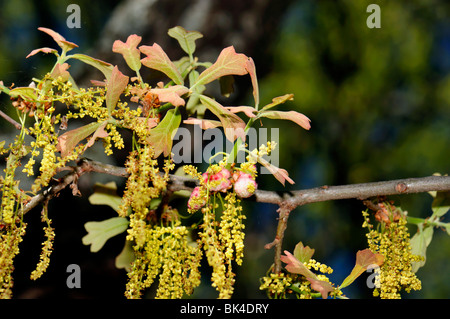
x: 251, y: 69
x: 99, y: 133
x: 232, y: 124
x: 59, y: 39
x: 172, y: 94
x: 228, y: 63
x: 321, y: 286
x: 248, y: 110
x: 293, y: 265
x: 204, y: 124
x: 278, y: 100
x: 279, y: 173
x: 296, y: 117
x: 60, y: 70
x: 115, y: 86
x: 129, y: 50
x: 161, y: 136
x: 157, y: 59
x: 44, y: 50
x: 364, y: 259
x: 70, y: 139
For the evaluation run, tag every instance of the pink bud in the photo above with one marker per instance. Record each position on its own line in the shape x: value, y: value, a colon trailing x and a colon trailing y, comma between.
x: 219, y: 181
x: 196, y: 202
x: 245, y: 185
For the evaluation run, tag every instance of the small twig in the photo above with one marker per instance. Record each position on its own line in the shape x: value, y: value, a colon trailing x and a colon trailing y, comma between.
x: 11, y: 120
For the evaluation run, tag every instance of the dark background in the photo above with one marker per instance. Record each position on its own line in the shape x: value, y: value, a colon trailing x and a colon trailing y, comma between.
x: 378, y: 100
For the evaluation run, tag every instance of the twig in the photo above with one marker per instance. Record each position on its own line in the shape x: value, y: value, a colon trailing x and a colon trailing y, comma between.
x: 11, y: 120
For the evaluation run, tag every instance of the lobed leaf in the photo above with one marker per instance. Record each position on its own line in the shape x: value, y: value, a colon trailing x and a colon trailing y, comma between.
x: 293, y: 265
x: 302, y: 253
x: 185, y: 38
x: 161, y: 136
x: 100, y: 232
x: 129, y: 51
x: 232, y: 124
x: 321, y: 286
x: 228, y: 63
x: 364, y: 259
x: 115, y: 85
x: 106, y: 194
x: 157, y: 59
x: 60, y: 70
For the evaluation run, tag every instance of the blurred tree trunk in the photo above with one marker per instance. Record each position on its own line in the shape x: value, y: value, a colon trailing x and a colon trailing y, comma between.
x: 250, y: 26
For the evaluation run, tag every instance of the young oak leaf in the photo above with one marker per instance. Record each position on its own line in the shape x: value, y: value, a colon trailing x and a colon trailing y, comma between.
x: 228, y: 63
x: 43, y: 50
x: 157, y: 59
x: 115, y: 86
x: 161, y: 136
x: 129, y: 51
x: 321, y: 286
x: 364, y: 259
x: 203, y: 123
x: 278, y: 100
x: 104, y: 67
x: 59, y: 39
x: 279, y: 173
x: 293, y: 116
x: 172, y: 94
x: 232, y: 124
x: 106, y: 194
x: 248, y: 110
x: 185, y: 38
x: 70, y: 139
x: 302, y: 253
x: 60, y: 70
x: 100, y: 232
x: 295, y: 266
x: 251, y: 69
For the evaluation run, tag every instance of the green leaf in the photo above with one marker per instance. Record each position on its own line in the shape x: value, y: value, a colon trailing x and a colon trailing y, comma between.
x: 302, y: 253
x: 232, y: 124
x: 126, y: 256
x: 441, y: 204
x: 186, y: 39
x: 364, y: 259
x: 70, y: 139
x: 293, y: 116
x: 104, y: 67
x: 419, y: 244
x: 27, y: 93
x: 115, y: 85
x: 278, y: 100
x: 157, y: 59
x: 100, y: 232
x: 228, y: 63
x: 129, y: 51
x: 106, y: 194
x: 161, y: 136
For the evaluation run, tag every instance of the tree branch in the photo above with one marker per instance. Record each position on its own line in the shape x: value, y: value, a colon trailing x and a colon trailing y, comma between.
x: 286, y: 200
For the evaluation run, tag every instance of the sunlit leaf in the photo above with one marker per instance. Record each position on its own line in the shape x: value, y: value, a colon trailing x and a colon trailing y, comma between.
x: 115, y: 85
x: 251, y: 69
x: 172, y: 94
x: 302, y: 253
x: 157, y: 59
x: 126, y: 256
x: 228, y: 63
x: 248, y: 110
x: 185, y: 38
x: 59, y: 39
x: 278, y: 100
x: 106, y: 194
x: 129, y: 51
x: 232, y: 124
x: 293, y: 116
x: 100, y: 232
x: 364, y: 259
x: 43, y: 50
x: 161, y: 136
x: 27, y: 93
x: 104, y: 67
x: 203, y: 123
